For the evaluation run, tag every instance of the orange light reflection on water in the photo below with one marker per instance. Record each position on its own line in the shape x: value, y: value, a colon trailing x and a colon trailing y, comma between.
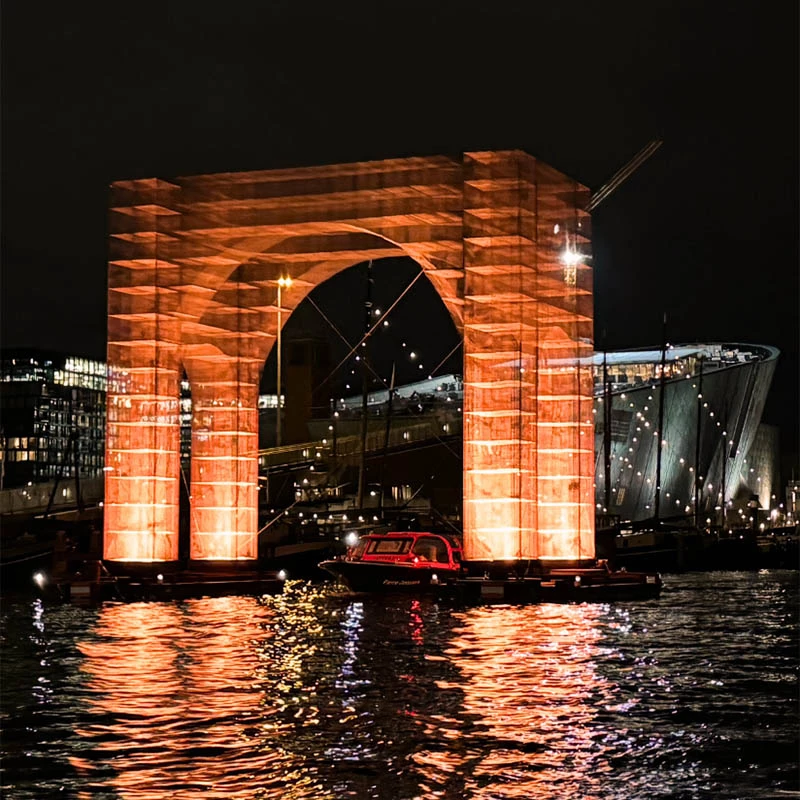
x: 153, y: 673
x: 527, y: 726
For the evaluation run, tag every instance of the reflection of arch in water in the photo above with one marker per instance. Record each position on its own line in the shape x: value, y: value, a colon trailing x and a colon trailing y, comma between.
x: 193, y: 277
x: 173, y: 702
x: 530, y: 698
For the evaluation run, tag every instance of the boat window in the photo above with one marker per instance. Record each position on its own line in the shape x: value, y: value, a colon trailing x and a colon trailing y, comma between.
x: 429, y: 549
x: 397, y: 546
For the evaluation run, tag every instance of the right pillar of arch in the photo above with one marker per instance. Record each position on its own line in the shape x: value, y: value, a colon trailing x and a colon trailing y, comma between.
x: 528, y: 343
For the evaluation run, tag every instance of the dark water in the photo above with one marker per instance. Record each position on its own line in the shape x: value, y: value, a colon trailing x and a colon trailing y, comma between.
x: 316, y: 694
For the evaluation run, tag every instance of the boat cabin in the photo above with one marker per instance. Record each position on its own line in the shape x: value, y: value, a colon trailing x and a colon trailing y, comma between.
x: 407, y: 547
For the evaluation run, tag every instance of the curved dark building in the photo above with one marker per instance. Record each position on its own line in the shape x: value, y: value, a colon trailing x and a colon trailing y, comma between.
x: 736, y: 454
x: 713, y: 397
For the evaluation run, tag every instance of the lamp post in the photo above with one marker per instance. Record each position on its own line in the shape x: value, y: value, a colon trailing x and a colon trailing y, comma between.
x: 282, y: 282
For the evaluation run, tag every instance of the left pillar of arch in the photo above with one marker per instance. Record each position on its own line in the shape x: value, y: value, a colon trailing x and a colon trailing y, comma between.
x: 141, y: 508
x: 224, y: 488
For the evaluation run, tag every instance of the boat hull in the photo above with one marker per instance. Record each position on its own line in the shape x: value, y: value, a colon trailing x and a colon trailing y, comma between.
x: 369, y: 576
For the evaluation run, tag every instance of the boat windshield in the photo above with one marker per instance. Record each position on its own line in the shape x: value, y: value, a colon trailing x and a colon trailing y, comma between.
x: 396, y: 546
x: 430, y: 548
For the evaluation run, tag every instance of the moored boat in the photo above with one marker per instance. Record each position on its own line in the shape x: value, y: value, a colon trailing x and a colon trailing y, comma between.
x: 398, y: 561
x: 599, y: 584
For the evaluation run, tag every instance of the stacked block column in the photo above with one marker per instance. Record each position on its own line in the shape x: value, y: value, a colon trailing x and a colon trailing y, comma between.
x: 527, y: 374
x: 224, y: 499
x: 141, y: 509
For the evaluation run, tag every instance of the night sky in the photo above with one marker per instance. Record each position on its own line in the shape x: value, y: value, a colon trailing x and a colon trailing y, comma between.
x: 706, y: 230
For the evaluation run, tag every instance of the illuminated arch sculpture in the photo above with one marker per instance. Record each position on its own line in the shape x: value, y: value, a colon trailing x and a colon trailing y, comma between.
x: 193, y: 271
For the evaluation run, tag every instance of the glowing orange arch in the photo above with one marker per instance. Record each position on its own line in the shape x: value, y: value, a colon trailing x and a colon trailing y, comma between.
x: 192, y: 283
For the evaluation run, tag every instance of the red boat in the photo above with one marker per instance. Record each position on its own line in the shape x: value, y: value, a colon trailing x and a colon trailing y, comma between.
x: 398, y: 561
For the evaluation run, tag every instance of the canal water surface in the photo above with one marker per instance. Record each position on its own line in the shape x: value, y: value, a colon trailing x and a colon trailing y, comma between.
x: 318, y: 694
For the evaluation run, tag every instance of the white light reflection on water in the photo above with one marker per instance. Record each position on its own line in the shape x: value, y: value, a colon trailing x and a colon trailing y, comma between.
x: 315, y: 694
x: 42, y: 690
x: 530, y: 689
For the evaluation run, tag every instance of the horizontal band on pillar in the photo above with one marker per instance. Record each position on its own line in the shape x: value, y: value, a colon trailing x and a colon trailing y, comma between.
x: 572, y: 450
x: 119, y: 477
x: 560, y: 533
x: 147, y: 533
x: 498, y: 471
x: 120, y: 398
x: 500, y: 355
x: 500, y: 413
x: 478, y: 501
x: 111, y: 505
x: 147, y: 381
x: 199, y: 406
x: 237, y: 433
x: 511, y: 384
x: 119, y: 371
x: 508, y: 383
x: 197, y: 459
x: 224, y: 483
x: 564, y: 370
x: 505, y: 530
x: 147, y: 451
x: 496, y: 442
x: 137, y: 424
x: 569, y: 424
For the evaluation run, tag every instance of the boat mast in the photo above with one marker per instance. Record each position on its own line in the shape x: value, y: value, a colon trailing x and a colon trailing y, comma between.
x: 386, y: 440
x: 660, y: 437
x: 725, y: 453
x: 364, y: 388
x: 724, y: 460
x: 606, y: 433
x: 4, y: 446
x: 698, y: 478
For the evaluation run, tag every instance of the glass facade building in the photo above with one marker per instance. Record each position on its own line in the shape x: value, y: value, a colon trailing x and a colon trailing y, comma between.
x: 720, y: 431
x: 52, y: 417
x: 710, y: 400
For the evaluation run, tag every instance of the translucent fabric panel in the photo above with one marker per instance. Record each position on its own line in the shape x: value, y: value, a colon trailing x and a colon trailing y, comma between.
x: 224, y: 520
x: 527, y: 327
x: 193, y: 274
x: 142, y: 434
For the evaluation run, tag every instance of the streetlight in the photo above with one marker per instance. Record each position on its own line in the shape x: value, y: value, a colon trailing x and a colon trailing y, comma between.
x: 282, y: 282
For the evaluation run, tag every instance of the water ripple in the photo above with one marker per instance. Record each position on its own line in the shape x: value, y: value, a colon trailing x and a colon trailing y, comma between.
x: 318, y: 694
